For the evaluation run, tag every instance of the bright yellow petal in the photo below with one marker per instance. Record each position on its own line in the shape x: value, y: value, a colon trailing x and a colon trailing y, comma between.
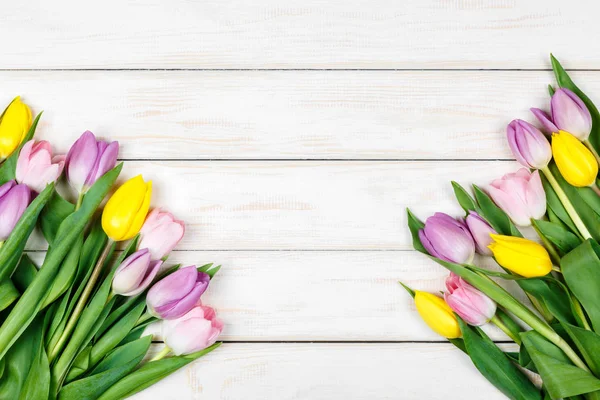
x: 122, y: 208
x: 575, y: 161
x: 437, y: 314
x: 14, y: 125
x: 140, y: 216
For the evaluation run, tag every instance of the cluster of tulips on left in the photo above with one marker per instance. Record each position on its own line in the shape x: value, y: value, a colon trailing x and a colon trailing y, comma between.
x: 73, y: 327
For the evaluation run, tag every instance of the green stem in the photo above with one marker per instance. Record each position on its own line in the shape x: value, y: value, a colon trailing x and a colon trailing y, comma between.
x: 548, y: 244
x: 567, y: 204
x: 143, y: 318
x: 496, y: 321
x: 595, y: 188
x: 580, y: 313
x: 162, y: 354
x: 593, y: 150
x: 79, y: 201
x: 87, y: 291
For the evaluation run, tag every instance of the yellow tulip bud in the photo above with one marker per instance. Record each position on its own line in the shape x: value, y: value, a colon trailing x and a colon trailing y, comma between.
x: 437, y: 314
x: 14, y: 125
x: 521, y: 256
x: 127, y: 208
x: 575, y: 162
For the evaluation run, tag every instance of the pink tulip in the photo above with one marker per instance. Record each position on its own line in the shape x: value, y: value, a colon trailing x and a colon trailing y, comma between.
x: 14, y: 199
x: 160, y: 233
x: 195, y: 331
x: 469, y: 303
x: 520, y: 195
x: 89, y: 159
x: 177, y: 293
x: 36, y: 167
x: 480, y: 230
x: 135, y: 274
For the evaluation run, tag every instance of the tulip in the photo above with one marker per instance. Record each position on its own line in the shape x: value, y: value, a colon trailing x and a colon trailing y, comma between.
x: 135, y: 274
x: 521, y: 256
x: 89, y: 159
x: 127, y: 208
x: 520, y: 195
x: 14, y: 199
x: 448, y: 239
x: 575, y: 162
x: 469, y: 303
x: 160, y: 233
x: 480, y: 230
x: 14, y: 125
x: 194, y: 331
x: 36, y: 167
x: 177, y: 293
x: 437, y: 315
x: 529, y: 146
x: 569, y: 114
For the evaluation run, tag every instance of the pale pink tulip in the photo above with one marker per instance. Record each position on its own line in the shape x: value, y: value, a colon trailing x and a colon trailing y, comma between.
x: 469, y: 303
x: 160, y: 233
x: 135, y: 274
x: 195, y: 331
x: 36, y: 167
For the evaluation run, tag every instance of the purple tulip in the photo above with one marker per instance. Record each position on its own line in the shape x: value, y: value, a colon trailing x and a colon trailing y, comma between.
x: 177, y: 293
x: 469, y: 303
x: 194, y: 331
x: 569, y: 113
x: 480, y: 230
x: 14, y: 199
x: 135, y: 274
x: 448, y: 239
x: 160, y: 233
x: 520, y: 195
x: 89, y: 159
x: 529, y: 146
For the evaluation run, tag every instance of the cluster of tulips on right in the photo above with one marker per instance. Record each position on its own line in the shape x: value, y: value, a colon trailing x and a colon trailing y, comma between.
x: 558, y: 329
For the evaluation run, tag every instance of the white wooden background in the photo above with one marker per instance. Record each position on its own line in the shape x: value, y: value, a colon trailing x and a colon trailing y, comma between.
x: 290, y: 137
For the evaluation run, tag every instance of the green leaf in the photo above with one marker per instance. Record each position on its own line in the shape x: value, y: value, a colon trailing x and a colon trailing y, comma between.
x: 555, y: 207
x: 415, y: 225
x: 561, y: 238
x: 551, y: 90
x: 53, y: 215
x: 553, y: 295
x: 588, y: 344
x: 9, y: 166
x: 496, y: 367
x: 494, y: 214
x: 464, y: 198
x: 8, y: 294
x: 24, y: 273
x: 209, y: 269
x: 66, y: 275
x: 37, y: 384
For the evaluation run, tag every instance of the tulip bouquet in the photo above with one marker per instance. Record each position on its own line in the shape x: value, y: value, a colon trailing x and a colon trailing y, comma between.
x: 73, y: 327
x: 558, y: 330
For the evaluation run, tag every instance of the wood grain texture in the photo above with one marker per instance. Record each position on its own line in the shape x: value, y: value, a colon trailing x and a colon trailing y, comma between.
x: 314, y: 34
x: 287, y: 114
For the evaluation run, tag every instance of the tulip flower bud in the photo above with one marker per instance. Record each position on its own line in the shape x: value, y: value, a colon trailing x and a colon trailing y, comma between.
x: 160, y: 233
x: 89, y: 159
x: 469, y: 303
x: 14, y: 199
x: 520, y: 195
x: 574, y: 161
x: 177, y: 293
x: 14, y: 125
x: 36, y: 167
x: 448, y: 239
x: 529, y: 146
x: 135, y: 274
x: 570, y: 114
x: 127, y: 208
x: 480, y: 230
x: 194, y: 331
x: 437, y: 315
x: 521, y: 256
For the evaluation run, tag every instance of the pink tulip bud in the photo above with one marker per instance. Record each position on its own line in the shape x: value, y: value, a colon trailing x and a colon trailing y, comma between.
x: 36, y: 167
x: 520, y: 195
x: 529, y: 146
x: 160, y: 233
x: 135, y: 274
x: 14, y: 199
x: 195, y: 331
x: 177, y: 293
x: 448, y: 239
x: 469, y: 303
x: 89, y: 159
x: 480, y: 230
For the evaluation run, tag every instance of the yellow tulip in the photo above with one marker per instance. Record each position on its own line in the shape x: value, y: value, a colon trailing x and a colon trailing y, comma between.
x: 14, y: 125
x: 437, y: 314
x: 575, y: 161
x: 127, y: 208
x: 521, y: 256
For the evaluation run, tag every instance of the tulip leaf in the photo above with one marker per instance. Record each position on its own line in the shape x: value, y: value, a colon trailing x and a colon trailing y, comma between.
x: 553, y: 295
x: 564, y: 81
x: 551, y: 90
x: 496, y: 366
x: 588, y: 344
x: 53, y: 215
x: 66, y: 274
x: 415, y: 225
x: 37, y: 384
x: 8, y: 294
x: 9, y: 166
x: 561, y: 238
x: 24, y: 273
x: 555, y: 207
x: 494, y: 214
x: 464, y: 198
x: 209, y: 270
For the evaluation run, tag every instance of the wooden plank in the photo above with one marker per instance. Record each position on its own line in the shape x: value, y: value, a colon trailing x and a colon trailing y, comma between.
x: 327, y: 371
x: 288, y: 115
x: 269, y: 34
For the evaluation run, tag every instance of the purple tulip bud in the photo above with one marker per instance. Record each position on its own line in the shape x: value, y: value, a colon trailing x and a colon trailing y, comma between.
x: 545, y: 120
x: 160, y: 233
x: 177, y: 293
x: 570, y: 114
x: 469, y: 303
x: 448, y: 239
x: 520, y: 195
x: 480, y: 230
x: 529, y: 146
x: 135, y: 274
x: 89, y: 159
x: 14, y: 199
x: 195, y: 331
